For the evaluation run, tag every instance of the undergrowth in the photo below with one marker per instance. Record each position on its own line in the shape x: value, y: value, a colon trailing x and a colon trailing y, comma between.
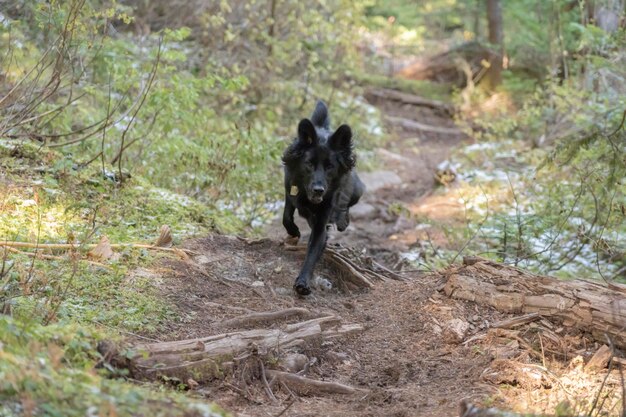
x: 53, y: 371
x: 108, y: 134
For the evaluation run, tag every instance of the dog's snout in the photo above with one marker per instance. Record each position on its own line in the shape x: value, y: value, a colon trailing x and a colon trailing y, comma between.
x: 318, y: 189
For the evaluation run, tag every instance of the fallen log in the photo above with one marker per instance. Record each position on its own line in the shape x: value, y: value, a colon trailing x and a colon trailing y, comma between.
x: 412, y: 99
x: 207, y: 358
x: 592, y: 307
x: 409, y: 124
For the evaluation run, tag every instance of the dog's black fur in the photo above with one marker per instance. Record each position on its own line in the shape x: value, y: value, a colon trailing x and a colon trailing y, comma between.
x: 321, y: 183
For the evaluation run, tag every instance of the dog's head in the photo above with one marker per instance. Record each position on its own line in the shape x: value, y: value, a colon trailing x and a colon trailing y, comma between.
x: 318, y: 158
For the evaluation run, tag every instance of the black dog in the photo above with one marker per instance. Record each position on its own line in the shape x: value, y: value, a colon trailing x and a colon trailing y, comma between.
x: 320, y: 182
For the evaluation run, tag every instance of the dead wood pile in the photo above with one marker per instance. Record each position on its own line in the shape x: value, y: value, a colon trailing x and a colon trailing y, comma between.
x: 595, y: 308
x: 220, y: 356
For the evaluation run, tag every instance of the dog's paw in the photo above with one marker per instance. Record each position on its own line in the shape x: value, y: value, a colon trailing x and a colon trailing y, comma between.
x: 301, y: 289
x: 342, y: 221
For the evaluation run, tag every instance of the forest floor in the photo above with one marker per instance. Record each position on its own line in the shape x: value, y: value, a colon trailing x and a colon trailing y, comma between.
x: 414, y: 355
x: 400, y: 357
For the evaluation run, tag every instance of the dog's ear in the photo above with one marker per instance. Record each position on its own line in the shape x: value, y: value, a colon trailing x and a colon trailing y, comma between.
x: 320, y: 115
x: 306, y: 137
x: 341, y: 141
x: 306, y: 133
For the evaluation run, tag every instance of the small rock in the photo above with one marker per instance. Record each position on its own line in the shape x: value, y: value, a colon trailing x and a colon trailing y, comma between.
x: 202, y: 259
x: 362, y: 211
x: 294, y: 362
x: 455, y: 331
x: 283, y: 291
x: 337, y: 356
x: 321, y: 283
x: 192, y: 384
x: 379, y: 179
x: 258, y: 284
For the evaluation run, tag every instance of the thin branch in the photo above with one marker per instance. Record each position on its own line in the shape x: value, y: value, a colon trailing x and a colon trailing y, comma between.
x: 141, y: 103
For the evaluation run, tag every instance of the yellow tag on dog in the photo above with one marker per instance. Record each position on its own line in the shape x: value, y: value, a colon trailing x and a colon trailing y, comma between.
x: 294, y: 190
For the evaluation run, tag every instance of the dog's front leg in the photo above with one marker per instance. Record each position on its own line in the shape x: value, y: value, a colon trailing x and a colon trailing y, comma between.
x: 340, y: 216
x: 288, y: 222
x: 317, y: 243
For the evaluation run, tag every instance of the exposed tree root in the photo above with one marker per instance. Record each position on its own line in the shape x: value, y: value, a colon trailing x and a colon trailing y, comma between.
x: 353, y: 275
x: 307, y: 386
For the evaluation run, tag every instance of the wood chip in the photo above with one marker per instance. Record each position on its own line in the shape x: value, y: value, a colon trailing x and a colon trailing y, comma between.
x: 600, y: 359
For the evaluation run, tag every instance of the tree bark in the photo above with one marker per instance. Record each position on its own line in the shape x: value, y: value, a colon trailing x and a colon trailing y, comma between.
x: 493, y: 77
x: 592, y: 307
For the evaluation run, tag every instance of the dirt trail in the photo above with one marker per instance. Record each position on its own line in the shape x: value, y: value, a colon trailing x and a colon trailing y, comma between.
x: 418, y: 352
x: 404, y: 358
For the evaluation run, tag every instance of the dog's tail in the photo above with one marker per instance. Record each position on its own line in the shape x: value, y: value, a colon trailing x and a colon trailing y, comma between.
x: 320, y: 116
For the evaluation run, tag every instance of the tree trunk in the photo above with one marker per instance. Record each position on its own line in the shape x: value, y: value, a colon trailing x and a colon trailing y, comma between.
x: 493, y: 77
x: 593, y: 307
x: 608, y: 14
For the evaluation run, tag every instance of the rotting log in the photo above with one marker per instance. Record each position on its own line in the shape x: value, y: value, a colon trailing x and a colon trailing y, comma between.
x: 593, y: 307
x: 446, y: 67
x: 212, y: 357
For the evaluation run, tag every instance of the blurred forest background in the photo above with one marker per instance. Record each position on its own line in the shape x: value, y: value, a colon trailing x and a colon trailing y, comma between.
x: 118, y: 117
